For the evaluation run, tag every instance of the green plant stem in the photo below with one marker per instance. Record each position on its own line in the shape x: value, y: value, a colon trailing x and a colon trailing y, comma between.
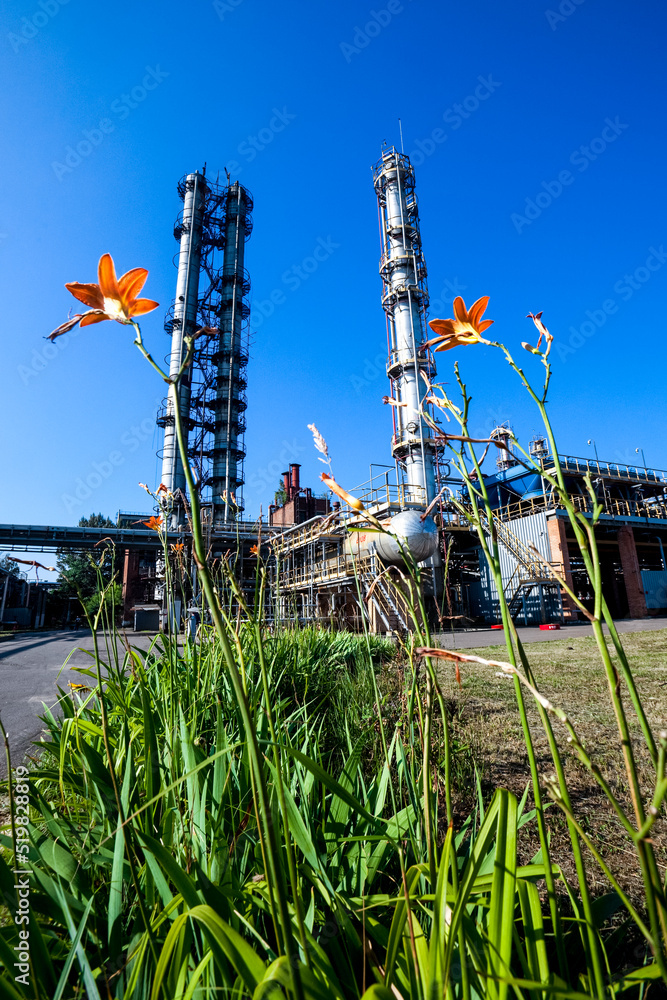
x: 127, y: 834
x: 585, y: 536
x: 239, y: 692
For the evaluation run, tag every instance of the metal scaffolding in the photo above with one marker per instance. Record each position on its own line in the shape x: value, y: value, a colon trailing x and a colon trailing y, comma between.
x: 211, y: 291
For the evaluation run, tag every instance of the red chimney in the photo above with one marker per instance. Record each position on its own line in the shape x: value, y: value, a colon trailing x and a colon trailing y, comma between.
x: 286, y: 484
x: 294, y: 469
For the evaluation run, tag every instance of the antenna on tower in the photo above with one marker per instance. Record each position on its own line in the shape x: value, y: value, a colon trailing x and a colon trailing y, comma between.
x: 400, y: 129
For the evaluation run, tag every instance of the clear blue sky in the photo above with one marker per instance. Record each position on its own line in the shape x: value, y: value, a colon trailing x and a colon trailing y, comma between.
x: 203, y: 79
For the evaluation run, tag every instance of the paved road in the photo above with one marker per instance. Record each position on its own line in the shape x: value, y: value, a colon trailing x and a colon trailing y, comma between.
x: 487, y: 637
x: 31, y: 670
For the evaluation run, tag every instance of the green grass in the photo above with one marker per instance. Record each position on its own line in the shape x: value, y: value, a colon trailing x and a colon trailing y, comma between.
x: 568, y: 672
x: 148, y: 842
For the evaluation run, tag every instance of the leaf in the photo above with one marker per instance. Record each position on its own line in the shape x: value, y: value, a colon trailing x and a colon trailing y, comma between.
x: 183, y: 883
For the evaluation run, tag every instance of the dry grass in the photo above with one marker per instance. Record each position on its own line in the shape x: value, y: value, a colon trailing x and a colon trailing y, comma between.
x: 570, y: 674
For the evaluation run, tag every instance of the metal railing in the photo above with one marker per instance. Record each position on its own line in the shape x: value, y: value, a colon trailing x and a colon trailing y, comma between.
x: 373, y: 493
x: 610, y: 470
x: 615, y: 507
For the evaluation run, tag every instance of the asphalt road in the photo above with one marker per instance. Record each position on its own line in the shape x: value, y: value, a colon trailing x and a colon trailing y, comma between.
x: 31, y: 671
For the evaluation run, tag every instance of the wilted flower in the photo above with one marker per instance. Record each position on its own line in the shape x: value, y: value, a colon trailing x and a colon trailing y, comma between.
x: 392, y: 402
x: 537, y: 320
x: 329, y: 481
x: 467, y: 327
x: 111, y: 298
x: 32, y: 562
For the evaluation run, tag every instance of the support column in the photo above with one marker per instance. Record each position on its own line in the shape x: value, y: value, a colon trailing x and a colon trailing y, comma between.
x: 631, y: 573
x: 560, y: 555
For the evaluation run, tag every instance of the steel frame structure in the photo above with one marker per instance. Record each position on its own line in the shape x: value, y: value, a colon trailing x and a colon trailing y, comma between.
x: 211, y: 292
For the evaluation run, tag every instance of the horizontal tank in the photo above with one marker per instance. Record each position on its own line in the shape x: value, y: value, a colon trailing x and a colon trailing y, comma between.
x: 406, y: 533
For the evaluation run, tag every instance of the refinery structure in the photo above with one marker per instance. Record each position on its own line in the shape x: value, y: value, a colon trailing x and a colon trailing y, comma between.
x: 320, y: 570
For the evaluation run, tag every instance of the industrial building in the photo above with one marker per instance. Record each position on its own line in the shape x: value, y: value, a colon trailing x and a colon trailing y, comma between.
x: 320, y: 570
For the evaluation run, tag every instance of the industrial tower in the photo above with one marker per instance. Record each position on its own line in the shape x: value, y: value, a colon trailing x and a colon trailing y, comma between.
x: 211, y: 289
x: 405, y: 299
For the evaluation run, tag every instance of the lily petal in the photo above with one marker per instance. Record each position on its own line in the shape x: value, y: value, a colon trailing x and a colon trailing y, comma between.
x: 460, y: 309
x: 442, y: 326
x: 131, y: 283
x: 484, y: 325
x: 94, y: 316
x: 89, y: 294
x: 141, y: 306
x: 106, y: 276
x: 477, y: 309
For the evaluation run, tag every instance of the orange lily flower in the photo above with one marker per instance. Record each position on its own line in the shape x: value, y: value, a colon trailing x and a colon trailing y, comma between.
x: 467, y: 327
x: 254, y: 551
x: 177, y: 547
x: 153, y: 522
x: 339, y: 491
x: 112, y: 298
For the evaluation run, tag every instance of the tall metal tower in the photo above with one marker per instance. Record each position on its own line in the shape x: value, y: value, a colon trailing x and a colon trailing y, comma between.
x: 211, y: 289
x: 405, y: 299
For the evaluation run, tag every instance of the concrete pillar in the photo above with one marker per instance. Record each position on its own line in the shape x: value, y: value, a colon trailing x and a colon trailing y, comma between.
x: 560, y: 556
x: 631, y: 573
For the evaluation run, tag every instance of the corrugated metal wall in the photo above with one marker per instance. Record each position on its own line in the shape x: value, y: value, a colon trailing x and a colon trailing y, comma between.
x: 531, y: 530
x: 655, y: 588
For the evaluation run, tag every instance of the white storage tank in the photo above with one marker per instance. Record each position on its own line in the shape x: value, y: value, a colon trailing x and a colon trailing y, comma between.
x: 406, y: 531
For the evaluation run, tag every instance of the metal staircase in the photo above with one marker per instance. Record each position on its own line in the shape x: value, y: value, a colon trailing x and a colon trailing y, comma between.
x: 532, y: 569
x: 386, y: 599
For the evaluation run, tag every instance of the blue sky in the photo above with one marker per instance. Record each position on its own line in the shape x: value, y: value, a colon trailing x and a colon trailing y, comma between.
x: 544, y: 189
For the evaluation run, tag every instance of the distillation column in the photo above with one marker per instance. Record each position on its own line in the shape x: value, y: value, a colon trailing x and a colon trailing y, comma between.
x: 404, y: 299
x: 228, y: 450
x: 184, y: 322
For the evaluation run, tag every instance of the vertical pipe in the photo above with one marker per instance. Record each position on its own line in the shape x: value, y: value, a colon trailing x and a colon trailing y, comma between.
x: 404, y: 296
x: 4, y: 597
x: 185, y: 321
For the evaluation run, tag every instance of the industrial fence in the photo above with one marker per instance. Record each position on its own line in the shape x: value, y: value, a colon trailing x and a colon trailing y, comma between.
x: 616, y: 507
